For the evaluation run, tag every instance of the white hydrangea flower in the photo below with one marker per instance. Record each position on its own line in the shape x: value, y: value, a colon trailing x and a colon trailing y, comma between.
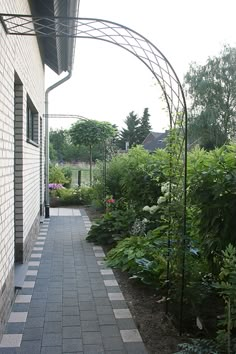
x: 153, y: 209
x: 146, y: 208
x: 161, y: 200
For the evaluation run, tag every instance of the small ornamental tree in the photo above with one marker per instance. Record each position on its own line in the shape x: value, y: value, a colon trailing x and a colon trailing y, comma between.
x: 90, y: 132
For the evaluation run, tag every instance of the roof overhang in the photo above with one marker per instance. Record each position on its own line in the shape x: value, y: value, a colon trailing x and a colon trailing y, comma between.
x: 58, y: 52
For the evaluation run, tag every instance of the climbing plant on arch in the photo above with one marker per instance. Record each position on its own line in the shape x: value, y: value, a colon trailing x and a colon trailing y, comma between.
x: 144, y: 50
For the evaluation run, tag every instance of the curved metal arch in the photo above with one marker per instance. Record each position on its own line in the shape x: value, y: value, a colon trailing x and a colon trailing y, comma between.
x: 107, y: 31
x: 136, y: 44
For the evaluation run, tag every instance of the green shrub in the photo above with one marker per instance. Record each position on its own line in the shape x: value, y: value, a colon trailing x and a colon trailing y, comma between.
x: 212, y: 189
x: 67, y: 171
x: 112, y: 227
x: 56, y: 175
x: 135, y: 176
x: 198, y: 346
x: 75, y: 196
x: 141, y: 257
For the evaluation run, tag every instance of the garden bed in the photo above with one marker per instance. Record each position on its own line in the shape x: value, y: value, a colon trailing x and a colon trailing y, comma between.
x: 157, y: 331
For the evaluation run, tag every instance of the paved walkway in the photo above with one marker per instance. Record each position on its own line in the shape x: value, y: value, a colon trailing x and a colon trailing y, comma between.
x: 70, y: 302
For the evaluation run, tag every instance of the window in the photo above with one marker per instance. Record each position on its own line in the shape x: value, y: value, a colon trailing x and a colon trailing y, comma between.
x: 32, y: 123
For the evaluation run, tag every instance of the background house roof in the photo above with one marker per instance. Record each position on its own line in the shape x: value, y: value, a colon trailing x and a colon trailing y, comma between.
x: 155, y: 141
x: 58, y: 52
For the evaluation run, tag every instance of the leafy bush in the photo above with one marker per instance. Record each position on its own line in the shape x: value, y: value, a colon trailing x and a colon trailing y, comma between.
x: 75, y: 196
x: 134, y: 176
x: 198, y: 346
x: 212, y: 189
x: 141, y: 257
x: 112, y: 227
x: 227, y: 290
x: 67, y: 171
x: 56, y: 175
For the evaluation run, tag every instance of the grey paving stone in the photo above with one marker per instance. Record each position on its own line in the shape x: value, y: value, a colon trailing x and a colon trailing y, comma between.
x: 90, y: 326
x: 29, y: 347
x: 68, y: 301
x: 88, y: 315
x: 14, y: 328
x: 123, y: 351
x: 86, y: 305
x: 99, y: 293
x: 54, y: 307
x: 106, y: 319
x: 126, y: 323
x: 71, y: 332
x: 37, y: 303
x: 84, y: 297
x: 104, y: 310
x: 26, y: 291
x: 102, y: 301
x: 114, y: 343
x: 93, y: 349
x: 72, y: 345
x: 34, y: 322
x: 9, y: 351
x: 32, y: 334
x: 36, y: 311
x: 51, y: 350
x: 53, y: 327
x: 70, y: 321
x: 92, y: 338
x: 70, y: 310
x: 20, y: 307
x: 51, y: 339
x: 134, y: 348
x: 110, y: 331
x: 72, y: 294
x: 119, y: 304
x: 39, y: 295
x: 53, y: 316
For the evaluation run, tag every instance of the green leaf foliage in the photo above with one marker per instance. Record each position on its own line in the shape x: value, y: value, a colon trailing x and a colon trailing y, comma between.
x: 212, y: 189
x: 140, y: 256
x: 198, y: 346
x: 112, y: 227
x: 212, y: 90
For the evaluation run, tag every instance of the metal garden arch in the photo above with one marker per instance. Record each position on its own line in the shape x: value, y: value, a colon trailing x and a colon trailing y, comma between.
x: 142, y: 49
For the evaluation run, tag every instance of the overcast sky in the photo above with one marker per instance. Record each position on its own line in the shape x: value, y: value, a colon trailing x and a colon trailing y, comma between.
x: 108, y: 82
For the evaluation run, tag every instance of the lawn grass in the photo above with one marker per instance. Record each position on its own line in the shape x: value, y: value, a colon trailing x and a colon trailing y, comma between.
x: 84, y: 168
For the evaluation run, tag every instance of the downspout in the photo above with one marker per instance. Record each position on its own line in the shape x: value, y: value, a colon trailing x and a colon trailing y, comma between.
x: 49, y: 89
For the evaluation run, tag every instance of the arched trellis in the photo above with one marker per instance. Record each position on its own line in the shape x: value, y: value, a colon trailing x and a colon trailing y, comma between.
x: 134, y: 43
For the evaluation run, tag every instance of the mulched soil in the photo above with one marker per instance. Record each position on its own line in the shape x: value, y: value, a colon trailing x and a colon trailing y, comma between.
x: 156, y: 329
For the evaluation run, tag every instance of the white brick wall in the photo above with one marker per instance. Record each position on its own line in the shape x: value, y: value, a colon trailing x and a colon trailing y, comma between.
x: 20, y: 55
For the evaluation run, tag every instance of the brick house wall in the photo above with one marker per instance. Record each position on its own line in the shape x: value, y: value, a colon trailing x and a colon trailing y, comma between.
x: 21, y: 158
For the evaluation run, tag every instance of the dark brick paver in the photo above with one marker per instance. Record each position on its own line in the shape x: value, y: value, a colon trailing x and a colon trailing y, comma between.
x: 70, y: 311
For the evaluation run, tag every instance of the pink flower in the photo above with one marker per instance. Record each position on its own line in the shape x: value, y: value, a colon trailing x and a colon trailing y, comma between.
x: 110, y: 201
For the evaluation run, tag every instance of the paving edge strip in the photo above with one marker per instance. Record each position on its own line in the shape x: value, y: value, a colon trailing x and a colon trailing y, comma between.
x: 18, y: 319
x: 128, y: 335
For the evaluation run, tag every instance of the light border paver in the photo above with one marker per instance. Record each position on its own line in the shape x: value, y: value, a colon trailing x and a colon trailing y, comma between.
x: 116, y: 296
x: 11, y: 341
x: 16, y: 317
x: 122, y: 313
x: 111, y: 282
x: 23, y: 299
x: 130, y: 335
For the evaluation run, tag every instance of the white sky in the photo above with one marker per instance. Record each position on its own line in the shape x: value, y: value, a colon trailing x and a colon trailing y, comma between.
x: 108, y: 83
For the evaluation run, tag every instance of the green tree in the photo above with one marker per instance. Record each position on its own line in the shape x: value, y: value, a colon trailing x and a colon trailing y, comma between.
x: 145, y: 126
x: 57, y: 139
x: 130, y: 134
x: 212, y: 90
x: 52, y: 153
x: 90, y: 133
